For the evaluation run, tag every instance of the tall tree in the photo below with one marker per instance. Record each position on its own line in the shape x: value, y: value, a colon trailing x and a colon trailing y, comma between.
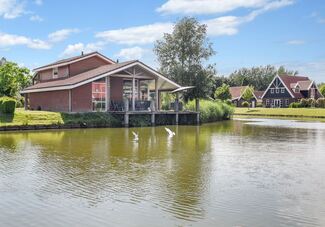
x: 182, y: 55
x: 322, y: 89
x: 223, y: 92
x: 283, y: 71
x: 247, y: 94
x: 13, y: 78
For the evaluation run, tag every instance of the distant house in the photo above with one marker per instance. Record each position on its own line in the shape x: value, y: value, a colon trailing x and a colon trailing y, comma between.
x: 236, y: 96
x: 284, y: 90
x: 93, y: 82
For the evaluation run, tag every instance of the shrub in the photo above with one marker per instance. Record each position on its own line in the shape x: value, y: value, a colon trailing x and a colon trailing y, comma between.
x: 320, y: 103
x: 259, y: 104
x: 295, y: 105
x: 228, y: 102
x: 7, y: 105
x: 311, y: 102
x: 304, y: 103
x: 211, y: 111
x: 245, y: 104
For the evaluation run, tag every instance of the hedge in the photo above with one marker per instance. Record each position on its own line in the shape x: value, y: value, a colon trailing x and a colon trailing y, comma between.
x: 7, y: 105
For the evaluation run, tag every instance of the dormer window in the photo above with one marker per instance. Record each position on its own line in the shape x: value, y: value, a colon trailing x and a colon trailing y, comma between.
x: 55, y: 74
x: 297, y: 89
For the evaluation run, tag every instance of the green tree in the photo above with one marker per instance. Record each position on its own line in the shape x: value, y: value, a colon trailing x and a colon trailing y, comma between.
x: 283, y: 71
x: 247, y: 94
x: 322, y: 89
x: 13, y: 79
x: 223, y: 92
x: 182, y: 55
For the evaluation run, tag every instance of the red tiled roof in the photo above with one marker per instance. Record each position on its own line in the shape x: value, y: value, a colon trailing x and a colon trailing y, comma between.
x: 236, y: 91
x: 68, y: 60
x: 80, y: 77
x: 289, y: 80
x: 258, y: 94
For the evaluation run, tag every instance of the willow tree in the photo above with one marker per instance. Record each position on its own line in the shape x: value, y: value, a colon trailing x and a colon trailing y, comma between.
x: 183, y: 54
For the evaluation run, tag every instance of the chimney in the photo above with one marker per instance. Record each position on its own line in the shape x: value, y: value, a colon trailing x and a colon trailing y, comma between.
x: 117, y: 60
x: 82, y: 53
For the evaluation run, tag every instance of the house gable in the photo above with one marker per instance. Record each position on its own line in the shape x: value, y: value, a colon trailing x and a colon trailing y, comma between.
x: 277, y: 89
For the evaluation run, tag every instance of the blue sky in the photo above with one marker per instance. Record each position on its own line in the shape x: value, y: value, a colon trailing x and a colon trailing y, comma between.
x: 244, y: 33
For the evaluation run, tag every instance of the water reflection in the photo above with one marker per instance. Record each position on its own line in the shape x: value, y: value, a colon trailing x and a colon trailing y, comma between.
x: 220, y: 173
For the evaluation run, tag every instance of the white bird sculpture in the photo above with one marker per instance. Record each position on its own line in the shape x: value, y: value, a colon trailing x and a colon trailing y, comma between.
x: 170, y: 132
x: 136, y: 136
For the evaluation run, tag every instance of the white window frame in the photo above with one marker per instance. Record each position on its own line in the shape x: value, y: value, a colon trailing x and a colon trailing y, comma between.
x: 277, y: 90
x: 282, y: 90
x: 272, y: 90
x: 55, y: 73
x: 267, y: 103
x: 287, y: 102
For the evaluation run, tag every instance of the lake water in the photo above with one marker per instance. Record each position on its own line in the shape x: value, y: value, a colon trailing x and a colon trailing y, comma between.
x: 255, y: 172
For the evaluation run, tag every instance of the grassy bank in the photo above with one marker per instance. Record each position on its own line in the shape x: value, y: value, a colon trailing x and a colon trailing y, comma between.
x: 282, y: 112
x: 28, y: 118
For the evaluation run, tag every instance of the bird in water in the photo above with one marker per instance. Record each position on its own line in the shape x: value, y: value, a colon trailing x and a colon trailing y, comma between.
x: 136, y: 136
x: 170, y: 132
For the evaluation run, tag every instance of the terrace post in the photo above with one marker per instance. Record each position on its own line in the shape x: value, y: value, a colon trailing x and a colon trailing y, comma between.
x: 108, y: 93
x: 156, y: 95
x: 177, y: 108
x: 133, y: 91
x: 197, y: 108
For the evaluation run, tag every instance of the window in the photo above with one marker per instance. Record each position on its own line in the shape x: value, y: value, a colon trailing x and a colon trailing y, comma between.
x: 281, y: 103
x: 277, y: 90
x: 272, y: 90
x: 282, y: 90
x: 312, y: 93
x: 287, y: 102
x: 267, y: 102
x: 55, y: 73
x: 127, y: 89
x: 99, y: 95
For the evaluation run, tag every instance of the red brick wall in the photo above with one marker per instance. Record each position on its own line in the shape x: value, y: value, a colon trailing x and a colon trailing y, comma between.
x: 81, y: 98
x: 51, y: 100
x: 116, y: 89
x: 85, y: 65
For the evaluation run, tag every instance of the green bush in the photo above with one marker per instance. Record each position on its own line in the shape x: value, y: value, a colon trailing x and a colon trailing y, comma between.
x: 211, y: 111
x: 311, y: 102
x: 245, y: 104
x: 295, y: 105
x: 259, y: 104
x: 320, y: 103
x: 7, y: 105
x: 304, y: 103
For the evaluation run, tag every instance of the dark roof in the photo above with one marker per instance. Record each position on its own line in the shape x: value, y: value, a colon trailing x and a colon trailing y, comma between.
x: 236, y: 91
x: 258, y: 94
x: 80, y: 77
x: 67, y: 60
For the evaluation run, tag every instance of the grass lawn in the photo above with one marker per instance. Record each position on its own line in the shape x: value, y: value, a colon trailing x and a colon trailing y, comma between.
x: 23, y: 117
x: 282, y: 112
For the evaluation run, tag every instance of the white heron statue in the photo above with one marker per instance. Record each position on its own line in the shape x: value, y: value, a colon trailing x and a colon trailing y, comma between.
x: 136, y: 136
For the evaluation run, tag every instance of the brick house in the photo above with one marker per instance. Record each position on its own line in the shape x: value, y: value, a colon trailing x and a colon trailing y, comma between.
x: 93, y: 82
x: 284, y: 90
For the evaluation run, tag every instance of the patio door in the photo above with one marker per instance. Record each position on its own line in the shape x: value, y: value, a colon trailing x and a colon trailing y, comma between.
x: 277, y: 103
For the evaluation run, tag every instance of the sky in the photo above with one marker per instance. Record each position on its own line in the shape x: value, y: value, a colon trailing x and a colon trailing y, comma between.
x: 244, y: 33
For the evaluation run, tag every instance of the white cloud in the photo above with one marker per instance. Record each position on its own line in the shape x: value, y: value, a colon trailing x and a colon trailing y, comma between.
x: 226, y: 25
x: 136, y: 35
x: 77, y: 48
x: 8, y: 40
x: 315, y: 70
x: 61, y: 35
x: 36, y: 18
x: 131, y: 53
x: 229, y: 25
x: 296, y: 42
x: 38, y: 2
x: 10, y: 9
x: 207, y: 6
